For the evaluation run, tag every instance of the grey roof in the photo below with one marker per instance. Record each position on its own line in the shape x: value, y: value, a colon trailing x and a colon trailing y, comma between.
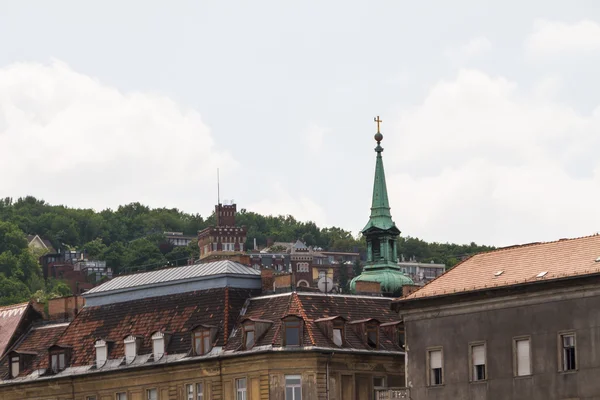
x: 225, y: 267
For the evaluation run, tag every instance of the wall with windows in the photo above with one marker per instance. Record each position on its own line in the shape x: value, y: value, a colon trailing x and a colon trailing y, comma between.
x: 293, y: 376
x: 535, y: 345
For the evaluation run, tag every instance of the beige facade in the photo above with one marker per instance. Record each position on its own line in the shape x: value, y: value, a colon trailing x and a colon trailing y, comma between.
x: 260, y: 376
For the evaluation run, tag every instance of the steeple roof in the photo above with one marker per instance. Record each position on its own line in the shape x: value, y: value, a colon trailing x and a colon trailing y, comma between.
x: 380, y: 218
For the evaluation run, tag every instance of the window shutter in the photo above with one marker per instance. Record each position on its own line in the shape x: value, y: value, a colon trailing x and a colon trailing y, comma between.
x: 435, y: 359
x: 478, y: 355
x: 523, y: 362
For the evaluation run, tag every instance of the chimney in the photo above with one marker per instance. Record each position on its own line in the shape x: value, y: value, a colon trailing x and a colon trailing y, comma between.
x: 267, y: 280
x: 65, y: 308
x: 408, y: 289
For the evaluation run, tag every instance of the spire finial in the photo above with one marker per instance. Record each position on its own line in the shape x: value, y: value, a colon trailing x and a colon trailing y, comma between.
x: 378, y: 135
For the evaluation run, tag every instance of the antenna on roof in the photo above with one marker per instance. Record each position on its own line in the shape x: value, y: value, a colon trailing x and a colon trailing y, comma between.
x: 218, y: 188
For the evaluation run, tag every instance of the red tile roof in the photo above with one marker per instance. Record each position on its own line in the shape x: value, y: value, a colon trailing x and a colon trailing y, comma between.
x: 10, y: 318
x: 177, y: 314
x: 37, y: 341
x: 517, y: 265
x: 312, y: 307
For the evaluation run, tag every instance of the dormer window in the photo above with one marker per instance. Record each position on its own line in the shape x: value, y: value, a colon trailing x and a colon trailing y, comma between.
x: 249, y: 336
x: 292, y: 331
x: 101, y: 353
x: 15, y: 366
x: 202, y: 342
x: 158, y: 345
x: 131, y: 347
x: 373, y: 336
x: 338, y: 333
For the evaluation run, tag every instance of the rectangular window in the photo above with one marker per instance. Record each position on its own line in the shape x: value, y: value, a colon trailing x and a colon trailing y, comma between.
x: 435, y: 367
x: 522, y: 357
x: 569, y: 363
x: 58, y: 361
x: 337, y: 337
x: 152, y: 394
x: 202, y: 342
x: 14, y: 367
x: 478, y: 362
x: 240, y: 388
x: 292, y: 333
x: 189, y: 392
x: 248, y: 336
x: 121, y: 396
x: 199, y: 391
x: 373, y: 336
x: 293, y: 387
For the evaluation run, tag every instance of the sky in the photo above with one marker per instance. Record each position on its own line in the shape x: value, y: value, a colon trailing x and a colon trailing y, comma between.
x: 491, y: 114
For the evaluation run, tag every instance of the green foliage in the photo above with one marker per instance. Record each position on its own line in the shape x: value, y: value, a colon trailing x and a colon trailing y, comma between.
x: 131, y: 238
x: 12, y: 291
x: 443, y: 253
x: 357, y: 268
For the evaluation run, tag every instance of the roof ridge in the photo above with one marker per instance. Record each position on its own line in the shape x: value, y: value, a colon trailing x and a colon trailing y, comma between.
x: 305, y: 317
x: 13, y: 306
x: 518, y: 246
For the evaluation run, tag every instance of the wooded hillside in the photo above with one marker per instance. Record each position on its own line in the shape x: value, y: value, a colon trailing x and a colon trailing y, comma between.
x: 127, y: 239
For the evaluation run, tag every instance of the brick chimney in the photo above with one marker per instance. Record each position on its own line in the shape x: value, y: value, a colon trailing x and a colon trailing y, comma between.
x: 364, y: 287
x: 267, y: 280
x: 408, y: 289
x: 64, y: 308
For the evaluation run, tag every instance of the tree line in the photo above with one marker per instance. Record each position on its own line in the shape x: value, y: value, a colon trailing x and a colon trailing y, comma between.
x: 131, y: 238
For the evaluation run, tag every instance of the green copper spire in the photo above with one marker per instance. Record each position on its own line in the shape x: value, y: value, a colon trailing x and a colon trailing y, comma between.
x: 381, y: 217
x: 381, y: 234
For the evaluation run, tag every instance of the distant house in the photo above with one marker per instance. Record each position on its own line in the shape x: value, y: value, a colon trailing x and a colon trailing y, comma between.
x: 421, y: 273
x: 36, y: 242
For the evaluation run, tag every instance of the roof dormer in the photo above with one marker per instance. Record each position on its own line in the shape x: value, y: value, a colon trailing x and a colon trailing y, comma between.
x: 101, y: 347
x: 203, y: 339
x: 395, y: 331
x: 19, y: 361
x: 58, y: 358
x: 132, y: 344
x: 368, y: 331
x: 292, y: 330
x: 252, y: 330
x: 334, y: 328
x: 160, y: 340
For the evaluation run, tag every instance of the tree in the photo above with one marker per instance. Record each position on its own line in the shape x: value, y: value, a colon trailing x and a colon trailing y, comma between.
x: 95, y: 248
x: 142, y: 254
x: 12, y: 291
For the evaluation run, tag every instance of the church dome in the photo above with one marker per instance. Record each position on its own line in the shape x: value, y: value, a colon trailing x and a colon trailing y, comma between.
x: 390, y: 280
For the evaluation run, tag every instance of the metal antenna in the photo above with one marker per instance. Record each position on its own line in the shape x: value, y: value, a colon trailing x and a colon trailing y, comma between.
x: 218, y: 188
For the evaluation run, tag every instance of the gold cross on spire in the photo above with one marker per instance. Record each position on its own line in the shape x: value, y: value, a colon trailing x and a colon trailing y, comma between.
x: 378, y: 122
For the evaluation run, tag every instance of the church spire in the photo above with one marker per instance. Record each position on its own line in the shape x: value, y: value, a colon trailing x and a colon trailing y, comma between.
x: 380, y: 207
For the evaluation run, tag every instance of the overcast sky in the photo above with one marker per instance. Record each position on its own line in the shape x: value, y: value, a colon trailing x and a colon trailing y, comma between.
x: 491, y: 112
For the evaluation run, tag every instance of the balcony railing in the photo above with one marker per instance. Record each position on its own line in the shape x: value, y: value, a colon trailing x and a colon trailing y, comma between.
x: 392, y: 393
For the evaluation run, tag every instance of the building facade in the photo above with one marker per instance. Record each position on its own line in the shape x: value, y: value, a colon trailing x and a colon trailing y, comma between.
x: 225, y: 240
x: 421, y: 273
x: 515, y: 323
x: 208, y: 331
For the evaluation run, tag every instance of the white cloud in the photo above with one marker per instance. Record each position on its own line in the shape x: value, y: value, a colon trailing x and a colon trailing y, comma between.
x: 278, y: 201
x: 552, y: 38
x: 473, y: 48
x: 68, y: 138
x: 481, y: 159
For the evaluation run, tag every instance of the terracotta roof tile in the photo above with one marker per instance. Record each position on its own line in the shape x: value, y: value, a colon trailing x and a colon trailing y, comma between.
x: 10, y: 318
x: 314, y: 307
x: 517, y: 265
x: 177, y: 314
